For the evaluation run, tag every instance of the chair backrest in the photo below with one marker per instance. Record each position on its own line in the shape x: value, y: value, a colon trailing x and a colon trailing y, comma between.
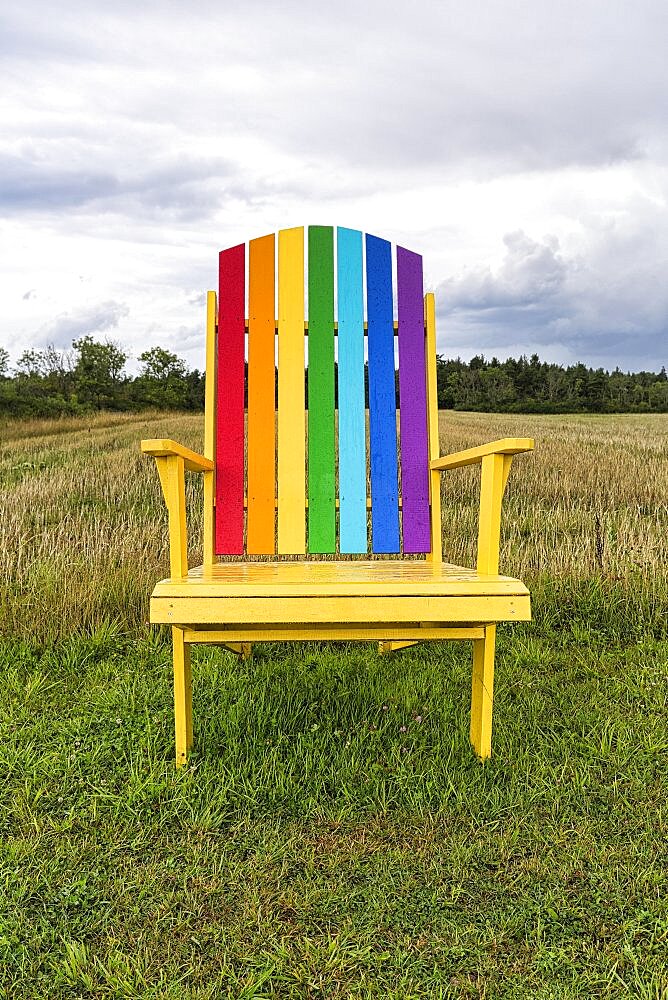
x: 300, y: 474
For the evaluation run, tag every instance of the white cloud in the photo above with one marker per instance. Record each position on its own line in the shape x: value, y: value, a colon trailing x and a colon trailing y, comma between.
x: 138, y: 140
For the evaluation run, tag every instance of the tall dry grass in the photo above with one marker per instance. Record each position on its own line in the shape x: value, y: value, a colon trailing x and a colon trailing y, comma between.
x: 83, y: 528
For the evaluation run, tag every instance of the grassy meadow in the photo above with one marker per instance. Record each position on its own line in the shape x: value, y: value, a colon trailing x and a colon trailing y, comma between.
x: 333, y: 835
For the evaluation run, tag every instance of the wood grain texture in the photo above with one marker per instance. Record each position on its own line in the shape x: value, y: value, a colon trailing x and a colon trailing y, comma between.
x: 413, y: 404
x: 351, y: 578
x: 261, y: 522
x: 352, y: 418
x: 230, y: 402
x: 321, y: 428
x: 318, y: 633
x: 208, y: 520
x: 291, y: 396
x: 436, y: 553
x: 382, y: 398
x: 338, y: 610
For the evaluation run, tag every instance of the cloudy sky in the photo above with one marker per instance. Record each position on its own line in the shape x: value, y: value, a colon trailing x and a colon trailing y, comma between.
x: 521, y: 147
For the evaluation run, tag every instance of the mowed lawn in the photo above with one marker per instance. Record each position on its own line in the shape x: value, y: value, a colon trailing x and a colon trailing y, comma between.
x: 333, y: 835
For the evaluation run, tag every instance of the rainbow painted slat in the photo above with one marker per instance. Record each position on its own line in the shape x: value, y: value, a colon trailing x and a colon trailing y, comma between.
x: 291, y: 395
x: 267, y: 534
x: 352, y: 418
x: 382, y: 397
x: 230, y: 403
x: 261, y: 398
x: 412, y: 403
x: 321, y: 428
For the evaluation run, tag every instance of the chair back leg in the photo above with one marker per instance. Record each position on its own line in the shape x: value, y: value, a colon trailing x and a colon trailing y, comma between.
x: 183, y: 715
x: 482, y: 693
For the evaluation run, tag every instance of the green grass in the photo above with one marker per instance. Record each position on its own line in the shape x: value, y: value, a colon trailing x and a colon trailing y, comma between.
x: 333, y: 836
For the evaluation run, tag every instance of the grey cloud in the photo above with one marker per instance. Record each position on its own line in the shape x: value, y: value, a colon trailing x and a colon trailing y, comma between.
x: 183, y: 187
x: 93, y: 319
x: 569, y: 307
x: 531, y: 273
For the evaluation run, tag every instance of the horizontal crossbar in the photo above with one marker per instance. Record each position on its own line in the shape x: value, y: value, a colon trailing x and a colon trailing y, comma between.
x: 395, y: 327
x: 330, y: 632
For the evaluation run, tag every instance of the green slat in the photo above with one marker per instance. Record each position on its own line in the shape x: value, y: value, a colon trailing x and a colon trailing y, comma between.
x: 321, y: 437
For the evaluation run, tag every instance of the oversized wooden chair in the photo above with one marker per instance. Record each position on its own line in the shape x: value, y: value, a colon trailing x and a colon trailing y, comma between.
x: 292, y: 482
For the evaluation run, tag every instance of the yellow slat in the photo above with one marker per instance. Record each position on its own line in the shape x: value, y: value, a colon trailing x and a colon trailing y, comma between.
x: 291, y: 402
x: 341, y: 610
x: 391, y: 632
x: 504, y: 446
x: 210, y: 427
x: 436, y: 554
x: 321, y: 579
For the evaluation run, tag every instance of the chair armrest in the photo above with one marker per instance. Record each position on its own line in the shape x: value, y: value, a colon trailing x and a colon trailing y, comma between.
x: 495, y: 460
x: 166, y: 448
x: 504, y: 446
x: 172, y: 460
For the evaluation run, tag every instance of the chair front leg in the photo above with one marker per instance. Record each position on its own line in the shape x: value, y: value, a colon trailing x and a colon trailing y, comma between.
x: 183, y: 717
x: 482, y: 693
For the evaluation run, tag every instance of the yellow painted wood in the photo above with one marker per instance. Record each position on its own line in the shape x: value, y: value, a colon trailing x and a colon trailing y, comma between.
x: 210, y: 429
x: 182, y: 696
x: 291, y: 401
x: 489, y: 522
x: 299, y: 633
x: 337, y: 610
x: 242, y: 649
x: 172, y: 480
x: 367, y: 579
x: 392, y: 645
x: 482, y: 693
x: 164, y: 447
x: 436, y: 554
x: 504, y: 446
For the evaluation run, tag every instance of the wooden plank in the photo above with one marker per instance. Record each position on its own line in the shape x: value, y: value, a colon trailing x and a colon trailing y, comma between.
x: 492, y: 484
x: 436, y: 554
x: 352, y: 419
x: 382, y: 398
x: 482, y: 693
x: 165, y: 448
x: 171, y: 470
x: 412, y: 404
x: 261, y: 523
x: 230, y: 402
x: 291, y: 412
x: 504, y: 446
x: 338, y: 578
x: 183, y: 713
x: 321, y: 428
x: 324, y: 632
x: 209, y: 546
x: 337, y: 610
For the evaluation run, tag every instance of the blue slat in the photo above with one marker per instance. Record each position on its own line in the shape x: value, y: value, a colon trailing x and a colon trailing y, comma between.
x: 352, y: 434
x: 382, y: 400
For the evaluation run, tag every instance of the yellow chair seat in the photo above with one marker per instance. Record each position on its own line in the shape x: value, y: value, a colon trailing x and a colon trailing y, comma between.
x: 297, y: 595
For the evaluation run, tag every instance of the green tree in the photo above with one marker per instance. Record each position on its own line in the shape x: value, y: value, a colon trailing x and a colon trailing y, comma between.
x: 162, y: 380
x: 98, y: 372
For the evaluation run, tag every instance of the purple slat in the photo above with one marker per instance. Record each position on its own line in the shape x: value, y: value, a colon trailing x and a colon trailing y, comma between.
x: 413, y: 404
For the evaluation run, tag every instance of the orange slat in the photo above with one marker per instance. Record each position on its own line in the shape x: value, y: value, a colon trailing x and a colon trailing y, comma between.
x: 261, y: 398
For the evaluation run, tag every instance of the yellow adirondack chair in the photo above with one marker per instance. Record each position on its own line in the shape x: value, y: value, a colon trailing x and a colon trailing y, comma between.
x: 263, y: 508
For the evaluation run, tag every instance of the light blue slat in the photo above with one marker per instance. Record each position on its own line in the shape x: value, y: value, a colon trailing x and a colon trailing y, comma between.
x: 382, y: 398
x: 352, y: 443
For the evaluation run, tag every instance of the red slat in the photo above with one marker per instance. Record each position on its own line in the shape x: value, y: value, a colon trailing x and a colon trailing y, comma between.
x: 230, y: 399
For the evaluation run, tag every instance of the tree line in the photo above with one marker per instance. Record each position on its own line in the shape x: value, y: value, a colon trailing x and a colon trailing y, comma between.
x: 91, y: 376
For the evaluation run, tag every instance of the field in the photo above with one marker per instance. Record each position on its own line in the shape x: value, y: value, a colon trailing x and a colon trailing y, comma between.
x: 333, y: 835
